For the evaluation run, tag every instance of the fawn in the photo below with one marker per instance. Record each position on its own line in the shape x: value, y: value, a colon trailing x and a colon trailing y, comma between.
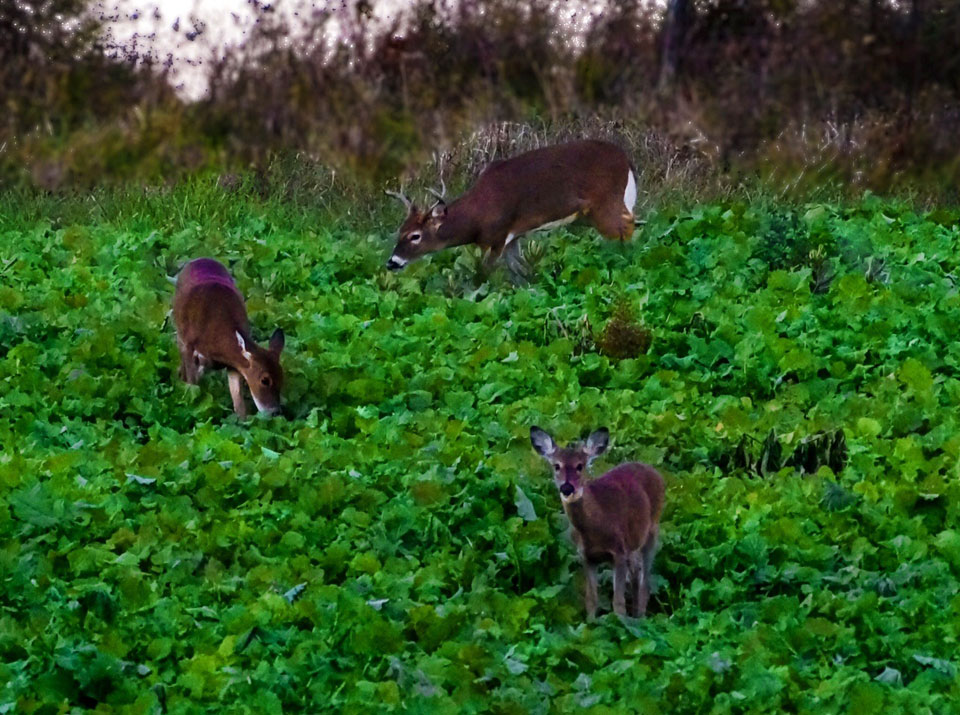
x: 614, y: 517
x: 213, y: 331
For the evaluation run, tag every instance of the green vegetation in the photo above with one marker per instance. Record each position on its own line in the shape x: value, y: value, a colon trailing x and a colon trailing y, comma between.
x: 397, y: 545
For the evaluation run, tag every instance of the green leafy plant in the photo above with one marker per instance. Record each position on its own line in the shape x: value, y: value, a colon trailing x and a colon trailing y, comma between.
x: 394, y: 545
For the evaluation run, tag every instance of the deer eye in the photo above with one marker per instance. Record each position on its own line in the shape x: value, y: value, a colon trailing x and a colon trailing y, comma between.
x: 579, y: 467
x: 557, y: 466
x: 265, y: 381
x: 415, y: 237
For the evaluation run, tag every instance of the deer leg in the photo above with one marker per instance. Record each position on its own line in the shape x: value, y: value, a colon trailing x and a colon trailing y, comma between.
x: 236, y: 393
x: 515, y: 263
x: 619, y: 585
x: 493, y: 255
x: 613, y: 221
x: 636, y: 567
x: 513, y: 254
x: 590, y: 595
x: 188, y: 371
x: 647, y: 554
x: 183, y: 368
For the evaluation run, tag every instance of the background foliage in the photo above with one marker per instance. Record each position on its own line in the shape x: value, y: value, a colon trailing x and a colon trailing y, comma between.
x: 396, y: 543
x: 853, y: 94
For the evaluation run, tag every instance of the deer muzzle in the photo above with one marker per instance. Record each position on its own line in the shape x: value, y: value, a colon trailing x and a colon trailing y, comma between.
x: 395, y: 264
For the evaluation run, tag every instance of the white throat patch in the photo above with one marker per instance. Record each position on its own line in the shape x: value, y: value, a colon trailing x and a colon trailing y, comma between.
x: 261, y: 407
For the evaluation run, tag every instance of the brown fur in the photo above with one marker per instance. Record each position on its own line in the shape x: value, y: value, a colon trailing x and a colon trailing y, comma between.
x: 513, y: 196
x: 210, y: 314
x: 615, y: 517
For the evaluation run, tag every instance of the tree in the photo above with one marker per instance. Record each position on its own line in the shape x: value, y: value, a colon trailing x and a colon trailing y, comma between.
x: 675, y: 27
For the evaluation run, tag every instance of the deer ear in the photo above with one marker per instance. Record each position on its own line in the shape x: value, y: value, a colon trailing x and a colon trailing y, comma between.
x: 439, y: 210
x: 542, y: 442
x: 243, y: 347
x: 277, y: 341
x: 598, y: 442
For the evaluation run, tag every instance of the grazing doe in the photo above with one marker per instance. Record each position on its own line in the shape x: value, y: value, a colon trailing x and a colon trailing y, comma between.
x: 615, y: 517
x: 213, y: 332
x: 538, y: 190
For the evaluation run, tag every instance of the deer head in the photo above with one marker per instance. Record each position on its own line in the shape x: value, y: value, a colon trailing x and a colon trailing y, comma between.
x: 571, y: 462
x: 418, y: 233
x: 262, y: 371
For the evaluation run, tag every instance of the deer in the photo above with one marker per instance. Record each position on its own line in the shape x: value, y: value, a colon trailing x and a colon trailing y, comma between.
x: 213, y: 332
x: 535, y: 191
x: 615, y: 517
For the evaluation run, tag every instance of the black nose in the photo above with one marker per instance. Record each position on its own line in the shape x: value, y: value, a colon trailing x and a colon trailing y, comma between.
x: 394, y: 265
x: 567, y: 489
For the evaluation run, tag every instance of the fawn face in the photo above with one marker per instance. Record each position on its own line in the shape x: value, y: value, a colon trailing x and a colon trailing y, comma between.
x: 571, y: 462
x: 263, y: 373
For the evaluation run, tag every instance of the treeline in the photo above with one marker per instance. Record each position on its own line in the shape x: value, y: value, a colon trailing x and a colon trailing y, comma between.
x: 862, y: 92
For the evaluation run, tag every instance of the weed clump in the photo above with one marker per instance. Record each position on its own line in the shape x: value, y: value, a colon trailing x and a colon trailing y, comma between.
x: 623, y: 336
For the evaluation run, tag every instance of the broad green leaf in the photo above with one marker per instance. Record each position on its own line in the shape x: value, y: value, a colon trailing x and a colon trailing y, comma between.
x: 525, y: 506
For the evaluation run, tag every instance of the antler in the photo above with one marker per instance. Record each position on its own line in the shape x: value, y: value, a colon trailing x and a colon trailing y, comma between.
x: 408, y: 204
x: 441, y: 195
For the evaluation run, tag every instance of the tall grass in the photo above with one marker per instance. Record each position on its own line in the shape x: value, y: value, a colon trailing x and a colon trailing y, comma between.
x: 804, y: 97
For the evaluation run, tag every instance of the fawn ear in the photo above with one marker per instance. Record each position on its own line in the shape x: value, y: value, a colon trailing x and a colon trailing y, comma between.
x: 542, y: 442
x: 277, y: 341
x: 598, y: 442
x: 243, y: 347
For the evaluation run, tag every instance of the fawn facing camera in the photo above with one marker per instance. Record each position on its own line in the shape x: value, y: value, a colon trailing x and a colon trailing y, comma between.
x: 615, y: 517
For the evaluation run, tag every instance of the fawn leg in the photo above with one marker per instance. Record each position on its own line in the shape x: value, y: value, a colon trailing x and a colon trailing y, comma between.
x: 619, y: 577
x: 636, y: 566
x: 183, y: 368
x: 647, y: 553
x: 236, y: 393
x: 590, y: 596
x: 187, y: 373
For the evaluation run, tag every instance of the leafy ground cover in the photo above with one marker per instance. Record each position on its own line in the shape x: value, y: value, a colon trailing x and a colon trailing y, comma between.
x: 396, y: 545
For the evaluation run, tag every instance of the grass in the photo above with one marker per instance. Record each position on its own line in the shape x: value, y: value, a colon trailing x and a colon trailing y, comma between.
x: 396, y: 544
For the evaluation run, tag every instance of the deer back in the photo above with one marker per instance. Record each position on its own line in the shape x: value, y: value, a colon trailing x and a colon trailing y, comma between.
x: 549, y: 184
x: 618, y: 510
x: 209, y: 311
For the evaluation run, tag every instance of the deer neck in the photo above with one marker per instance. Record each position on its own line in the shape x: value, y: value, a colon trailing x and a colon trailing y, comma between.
x: 225, y: 350
x: 459, y: 227
x: 578, y: 511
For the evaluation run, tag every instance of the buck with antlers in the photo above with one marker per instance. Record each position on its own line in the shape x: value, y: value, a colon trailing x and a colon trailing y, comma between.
x: 213, y: 332
x: 615, y: 517
x: 538, y: 190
